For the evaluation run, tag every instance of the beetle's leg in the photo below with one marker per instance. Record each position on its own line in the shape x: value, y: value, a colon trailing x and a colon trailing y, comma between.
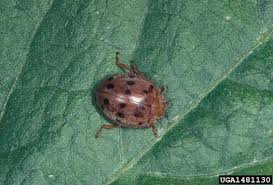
x: 98, y: 132
x: 154, y: 130
x: 122, y: 66
x: 134, y: 69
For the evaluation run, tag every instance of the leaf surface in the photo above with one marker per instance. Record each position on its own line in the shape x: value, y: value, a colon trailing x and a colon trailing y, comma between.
x: 215, y: 57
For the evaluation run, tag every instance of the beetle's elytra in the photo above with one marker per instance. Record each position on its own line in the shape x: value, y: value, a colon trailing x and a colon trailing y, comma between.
x: 130, y: 100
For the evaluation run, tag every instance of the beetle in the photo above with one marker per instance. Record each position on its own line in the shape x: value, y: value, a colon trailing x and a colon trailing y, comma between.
x: 130, y: 99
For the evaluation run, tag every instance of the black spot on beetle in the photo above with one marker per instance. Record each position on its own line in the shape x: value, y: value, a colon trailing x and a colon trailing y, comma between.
x: 140, y: 123
x: 145, y: 91
x: 120, y: 114
x: 106, y: 101
x: 142, y: 107
x: 122, y: 105
x: 110, y: 86
x: 130, y: 82
x: 151, y: 87
x: 138, y: 114
x: 127, y: 91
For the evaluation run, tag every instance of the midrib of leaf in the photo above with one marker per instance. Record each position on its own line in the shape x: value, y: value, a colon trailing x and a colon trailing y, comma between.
x: 22, y: 66
x: 263, y: 38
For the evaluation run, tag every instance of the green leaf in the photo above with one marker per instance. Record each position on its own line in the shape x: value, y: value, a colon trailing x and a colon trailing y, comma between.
x: 215, y: 57
x: 230, y: 132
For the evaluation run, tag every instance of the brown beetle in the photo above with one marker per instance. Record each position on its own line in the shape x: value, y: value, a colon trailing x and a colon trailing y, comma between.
x: 130, y: 100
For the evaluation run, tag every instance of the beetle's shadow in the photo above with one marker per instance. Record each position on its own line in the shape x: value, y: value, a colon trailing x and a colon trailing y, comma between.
x: 92, y: 94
